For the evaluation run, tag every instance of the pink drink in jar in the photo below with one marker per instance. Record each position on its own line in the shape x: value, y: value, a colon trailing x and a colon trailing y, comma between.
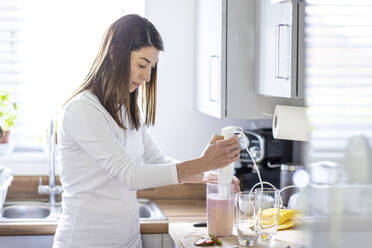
x: 220, y: 210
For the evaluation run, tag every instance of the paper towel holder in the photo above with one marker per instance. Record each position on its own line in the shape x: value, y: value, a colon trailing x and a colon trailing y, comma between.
x: 290, y: 123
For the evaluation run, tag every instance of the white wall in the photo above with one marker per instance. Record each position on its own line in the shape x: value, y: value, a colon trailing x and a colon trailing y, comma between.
x: 181, y: 131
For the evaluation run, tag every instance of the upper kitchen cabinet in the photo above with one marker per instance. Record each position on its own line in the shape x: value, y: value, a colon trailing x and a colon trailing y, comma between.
x: 225, y: 61
x: 211, y: 57
x: 279, y: 47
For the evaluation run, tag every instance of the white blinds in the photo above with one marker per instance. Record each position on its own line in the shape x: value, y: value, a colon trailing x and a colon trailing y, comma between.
x: 11, y: 52
x: 338, y: 73
x: 10, y: 40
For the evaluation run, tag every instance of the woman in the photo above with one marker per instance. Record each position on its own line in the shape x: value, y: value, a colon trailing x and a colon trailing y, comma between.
x: 106, y: 154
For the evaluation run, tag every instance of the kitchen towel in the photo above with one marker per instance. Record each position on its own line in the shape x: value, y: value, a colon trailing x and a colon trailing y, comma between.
x: 290, y: 123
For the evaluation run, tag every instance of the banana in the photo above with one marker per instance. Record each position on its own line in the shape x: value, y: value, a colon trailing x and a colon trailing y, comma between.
x: 285, y: 217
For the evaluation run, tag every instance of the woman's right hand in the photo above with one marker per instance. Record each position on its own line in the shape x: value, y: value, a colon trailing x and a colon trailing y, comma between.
x: 217, y: 154
x: 220, y: 152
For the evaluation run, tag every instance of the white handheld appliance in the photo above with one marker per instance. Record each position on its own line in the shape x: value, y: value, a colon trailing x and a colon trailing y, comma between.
x: 226, y: 174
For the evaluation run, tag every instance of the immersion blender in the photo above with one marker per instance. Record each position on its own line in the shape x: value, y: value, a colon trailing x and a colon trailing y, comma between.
x: 226, y: 174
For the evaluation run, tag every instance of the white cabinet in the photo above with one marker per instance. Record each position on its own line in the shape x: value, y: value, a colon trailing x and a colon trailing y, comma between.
x: 37, y: 241
x: 210, y: 59
x: 279, y: 47
x: 225, y: 61
x: 157, y: 241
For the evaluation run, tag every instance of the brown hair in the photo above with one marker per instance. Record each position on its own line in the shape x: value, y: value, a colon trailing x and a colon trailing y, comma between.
x: 108, y: 77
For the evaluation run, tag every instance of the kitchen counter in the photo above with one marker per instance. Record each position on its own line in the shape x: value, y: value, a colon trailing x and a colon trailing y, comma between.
x: 182, y: 214
x: 174, y: 209
x: 182, y: 204
x: 49, y: 228
x: 184, y: 234
x: 178, y: 210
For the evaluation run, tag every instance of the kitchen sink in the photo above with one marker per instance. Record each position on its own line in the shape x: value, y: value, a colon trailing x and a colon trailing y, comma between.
x: 29, y: 211
x: 25, y: 211
x: 148, y: 210
x: 42, y: 211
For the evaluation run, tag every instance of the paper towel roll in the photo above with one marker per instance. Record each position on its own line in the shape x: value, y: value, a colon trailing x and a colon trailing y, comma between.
x: 290, y: 123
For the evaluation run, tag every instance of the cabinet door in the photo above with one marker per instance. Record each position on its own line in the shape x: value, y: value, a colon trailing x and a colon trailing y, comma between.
x: 31, y: 241
x: 242, y: 102
x: 152, y: 240
x: 210, y: 57
x: 276, y: 47
x: 228, y: 30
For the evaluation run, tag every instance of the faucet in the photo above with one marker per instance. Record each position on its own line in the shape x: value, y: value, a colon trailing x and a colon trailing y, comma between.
x: 52, y: 189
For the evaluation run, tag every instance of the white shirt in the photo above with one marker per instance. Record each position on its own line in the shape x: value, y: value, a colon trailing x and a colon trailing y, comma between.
x: 102, y: 166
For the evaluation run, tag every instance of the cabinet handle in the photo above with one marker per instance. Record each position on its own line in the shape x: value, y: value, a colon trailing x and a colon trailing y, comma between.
x: 214, y: 78
x: 277, y: 54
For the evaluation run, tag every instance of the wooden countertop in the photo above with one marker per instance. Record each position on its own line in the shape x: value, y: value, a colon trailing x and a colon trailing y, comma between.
x: 183, y: 202
x: 178, y: 210
x: 182, y: 214
x: 49, y: 228
x: 185, y: 235
x: 183, y: 205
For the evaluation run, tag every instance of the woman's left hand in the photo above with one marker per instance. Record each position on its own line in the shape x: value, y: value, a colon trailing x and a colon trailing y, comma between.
x: 197, y: 178
x: 213, y: 178
x: 210, y: 178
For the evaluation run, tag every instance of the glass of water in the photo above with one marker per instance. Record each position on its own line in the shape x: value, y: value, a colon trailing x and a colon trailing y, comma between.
x: 246, y: 218
x: 268, y: 207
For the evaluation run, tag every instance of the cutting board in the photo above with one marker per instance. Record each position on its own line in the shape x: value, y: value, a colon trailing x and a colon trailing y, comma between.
x: 185, y: 235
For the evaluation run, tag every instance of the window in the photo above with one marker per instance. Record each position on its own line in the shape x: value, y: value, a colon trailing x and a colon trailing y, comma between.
x: 46, y: 50
x: 338, y: 40
x: 10, y: 47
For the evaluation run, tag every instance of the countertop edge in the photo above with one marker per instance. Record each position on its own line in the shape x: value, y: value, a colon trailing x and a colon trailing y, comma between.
x: 49, y: 228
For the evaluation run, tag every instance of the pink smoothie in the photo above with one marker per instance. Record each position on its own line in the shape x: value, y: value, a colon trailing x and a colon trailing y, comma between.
x: 220, y: 214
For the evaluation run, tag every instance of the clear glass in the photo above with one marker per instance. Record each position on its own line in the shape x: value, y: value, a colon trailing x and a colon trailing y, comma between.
x: 246, y: 218
x: 220, y: 209
x: 268, y: 204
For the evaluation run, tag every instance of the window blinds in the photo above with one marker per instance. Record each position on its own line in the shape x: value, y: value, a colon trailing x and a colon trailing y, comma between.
x: 46, y: 50
x: 338, y: 73
x: 11, y: 54
x: 10, y: 39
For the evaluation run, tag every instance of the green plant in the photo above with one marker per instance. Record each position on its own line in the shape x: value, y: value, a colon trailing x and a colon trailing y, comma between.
x: 8, y: 111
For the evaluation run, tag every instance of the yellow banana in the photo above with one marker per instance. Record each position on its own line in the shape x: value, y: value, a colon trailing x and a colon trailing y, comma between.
x: 286, y: 214
x: 286, y: 225
x: 285, y: 217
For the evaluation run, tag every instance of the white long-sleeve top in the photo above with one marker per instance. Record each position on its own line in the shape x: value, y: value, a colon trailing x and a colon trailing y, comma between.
x: 101, y: 167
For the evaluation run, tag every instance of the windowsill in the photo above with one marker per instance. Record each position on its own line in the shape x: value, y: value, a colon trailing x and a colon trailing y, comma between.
x: 27, y: 163
x: 22, y: 157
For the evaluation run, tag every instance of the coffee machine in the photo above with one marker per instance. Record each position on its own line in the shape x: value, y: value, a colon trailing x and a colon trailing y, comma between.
x: 268, y: 153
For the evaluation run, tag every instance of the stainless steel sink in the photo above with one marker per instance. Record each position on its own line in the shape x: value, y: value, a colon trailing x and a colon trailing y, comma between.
x: 25, y: 211
x: 41, y: 211
x: 29, y: 211
x: 148, y: 210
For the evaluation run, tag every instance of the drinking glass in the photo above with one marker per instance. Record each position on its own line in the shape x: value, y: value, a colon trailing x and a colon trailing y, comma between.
x: 268, y: 205
x: 220, y: 209
x: 246, y: 218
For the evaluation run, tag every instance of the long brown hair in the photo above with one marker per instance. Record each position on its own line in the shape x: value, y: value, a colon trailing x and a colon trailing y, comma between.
x: 108, y: 77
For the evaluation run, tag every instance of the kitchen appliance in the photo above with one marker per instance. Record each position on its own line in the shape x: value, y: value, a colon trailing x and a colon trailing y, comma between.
x: 226, y: 173
x: 269, y: 153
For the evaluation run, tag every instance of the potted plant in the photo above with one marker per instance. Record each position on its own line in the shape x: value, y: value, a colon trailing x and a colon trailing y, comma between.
x: 7, y: 116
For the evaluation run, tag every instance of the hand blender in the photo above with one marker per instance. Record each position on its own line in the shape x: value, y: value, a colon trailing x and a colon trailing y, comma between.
x: 225, y: 174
